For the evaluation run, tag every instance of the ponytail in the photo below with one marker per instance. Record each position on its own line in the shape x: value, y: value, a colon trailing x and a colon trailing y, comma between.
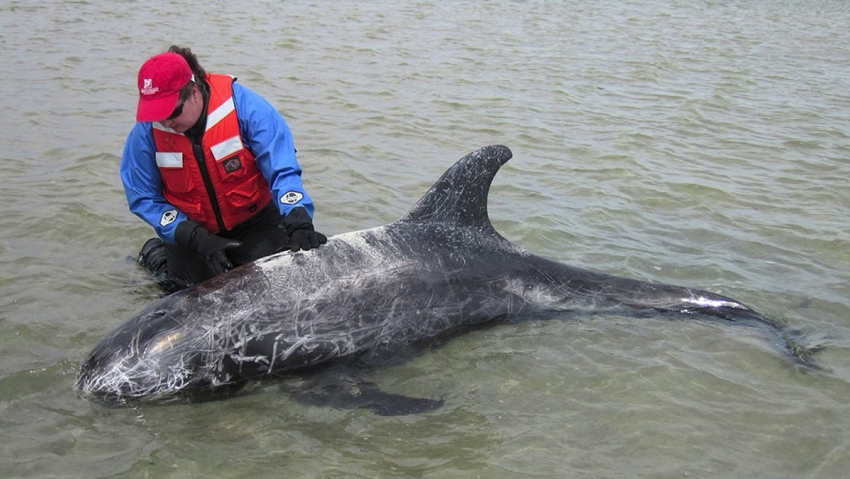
x: 191, y: 59
x: 197, y: 71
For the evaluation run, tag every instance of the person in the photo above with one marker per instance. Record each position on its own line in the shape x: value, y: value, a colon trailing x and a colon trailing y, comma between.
x: 212, y: 167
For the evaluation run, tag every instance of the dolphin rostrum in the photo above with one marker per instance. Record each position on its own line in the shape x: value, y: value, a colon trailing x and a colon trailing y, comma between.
x: 441, y: 267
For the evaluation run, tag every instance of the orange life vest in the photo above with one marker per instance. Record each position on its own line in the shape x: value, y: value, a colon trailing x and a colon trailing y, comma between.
x: 225, y: 187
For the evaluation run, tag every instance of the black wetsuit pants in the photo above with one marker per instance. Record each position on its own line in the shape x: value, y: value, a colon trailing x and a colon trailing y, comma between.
x: 262, y: 235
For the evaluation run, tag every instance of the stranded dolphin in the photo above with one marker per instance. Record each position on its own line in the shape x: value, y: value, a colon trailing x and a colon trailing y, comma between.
x: 439, y: 268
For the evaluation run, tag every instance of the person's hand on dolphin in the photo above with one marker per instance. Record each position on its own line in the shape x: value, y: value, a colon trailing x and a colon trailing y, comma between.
x: 212, y: 248
x: 302, y: 235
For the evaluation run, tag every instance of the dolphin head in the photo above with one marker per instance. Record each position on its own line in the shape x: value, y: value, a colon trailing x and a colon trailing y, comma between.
x: 155, y: 354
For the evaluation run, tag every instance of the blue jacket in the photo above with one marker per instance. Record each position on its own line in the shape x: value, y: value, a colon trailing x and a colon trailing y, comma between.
x: 263, y: 131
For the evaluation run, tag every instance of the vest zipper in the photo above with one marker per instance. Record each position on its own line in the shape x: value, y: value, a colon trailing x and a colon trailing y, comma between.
x: 202, y: 166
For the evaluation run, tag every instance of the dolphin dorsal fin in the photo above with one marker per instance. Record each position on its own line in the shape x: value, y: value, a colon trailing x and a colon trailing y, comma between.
x: 460, y: 195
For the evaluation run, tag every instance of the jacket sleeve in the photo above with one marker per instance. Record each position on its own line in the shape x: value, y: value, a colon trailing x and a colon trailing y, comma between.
x: 143, y: 183
x: 266, y: 134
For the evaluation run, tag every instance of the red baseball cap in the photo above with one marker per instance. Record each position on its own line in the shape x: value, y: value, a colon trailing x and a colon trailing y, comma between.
x: 160, y: 81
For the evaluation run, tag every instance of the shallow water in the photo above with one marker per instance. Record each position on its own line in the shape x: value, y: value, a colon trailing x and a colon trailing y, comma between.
x: 697, y: 143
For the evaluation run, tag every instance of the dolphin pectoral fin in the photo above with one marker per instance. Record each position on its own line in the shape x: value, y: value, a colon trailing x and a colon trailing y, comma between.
x: 389, y: 404
x: 349, y: 393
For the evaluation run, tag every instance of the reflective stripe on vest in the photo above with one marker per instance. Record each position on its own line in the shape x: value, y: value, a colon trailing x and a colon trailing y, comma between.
x: 169, y: 160
x: 226, y: 148
x: 219, y: 113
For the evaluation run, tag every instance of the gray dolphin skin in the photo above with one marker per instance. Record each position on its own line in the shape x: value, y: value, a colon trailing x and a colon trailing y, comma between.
x: 439, y: 268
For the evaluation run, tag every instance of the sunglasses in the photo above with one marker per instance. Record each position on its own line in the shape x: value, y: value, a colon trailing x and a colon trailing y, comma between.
x: 177, y: 111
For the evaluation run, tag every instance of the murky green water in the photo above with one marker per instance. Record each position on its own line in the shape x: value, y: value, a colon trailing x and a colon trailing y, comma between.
x: 697, y: 143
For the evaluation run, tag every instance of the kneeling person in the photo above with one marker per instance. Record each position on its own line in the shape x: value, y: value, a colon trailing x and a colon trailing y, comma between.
x: 211, y: 166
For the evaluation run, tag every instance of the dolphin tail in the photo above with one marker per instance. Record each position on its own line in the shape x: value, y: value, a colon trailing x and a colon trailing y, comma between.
x: 801, y: 353
x: 791, y: 342
x: 667, y: 298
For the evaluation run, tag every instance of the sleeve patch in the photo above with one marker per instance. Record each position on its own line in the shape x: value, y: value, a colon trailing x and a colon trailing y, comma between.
x: 168, y: 217
x: 291, y: 197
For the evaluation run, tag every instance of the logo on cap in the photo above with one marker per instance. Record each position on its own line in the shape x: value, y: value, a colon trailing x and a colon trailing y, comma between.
x: 147, y: 87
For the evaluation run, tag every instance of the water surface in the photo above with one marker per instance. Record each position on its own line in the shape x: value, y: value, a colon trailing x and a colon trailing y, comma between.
x: 698, y: 143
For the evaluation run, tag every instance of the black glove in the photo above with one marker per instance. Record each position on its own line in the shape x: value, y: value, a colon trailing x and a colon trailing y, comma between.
x: 299, y: 227
x: 191, y: 235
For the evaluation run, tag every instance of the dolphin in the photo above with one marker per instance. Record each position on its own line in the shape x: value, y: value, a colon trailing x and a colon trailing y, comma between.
x: 440, y: 268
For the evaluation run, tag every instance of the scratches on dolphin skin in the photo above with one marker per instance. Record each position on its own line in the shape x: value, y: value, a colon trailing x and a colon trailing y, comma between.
x: 441, y: 268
